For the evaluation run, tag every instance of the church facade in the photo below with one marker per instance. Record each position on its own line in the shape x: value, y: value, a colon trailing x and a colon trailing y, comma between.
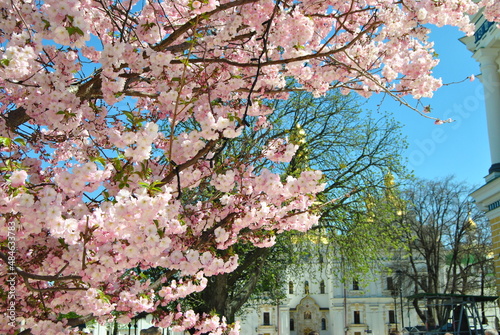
x: 317, y: 301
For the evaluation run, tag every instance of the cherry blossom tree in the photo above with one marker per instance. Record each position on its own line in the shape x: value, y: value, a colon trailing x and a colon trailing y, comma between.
x: 113, y: 117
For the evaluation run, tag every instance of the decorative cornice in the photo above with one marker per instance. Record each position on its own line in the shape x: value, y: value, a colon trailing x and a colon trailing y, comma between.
x: 488, y: 196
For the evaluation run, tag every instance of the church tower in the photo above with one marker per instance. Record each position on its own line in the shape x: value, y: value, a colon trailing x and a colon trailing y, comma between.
x: 485, y: 48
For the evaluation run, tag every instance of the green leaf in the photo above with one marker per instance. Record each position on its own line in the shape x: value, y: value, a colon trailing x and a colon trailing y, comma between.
x: 148, y: 26
x: 103, y: 296
x: 63, y: 243
x: 20, y: 141
x: 144, y: 184
x: 47, y: 24
x: 100, y: 160
x: 74, y: 30
x: 70, y: 315
x: 5, y: 62
x: 5, y: 141
x: 161, y: 232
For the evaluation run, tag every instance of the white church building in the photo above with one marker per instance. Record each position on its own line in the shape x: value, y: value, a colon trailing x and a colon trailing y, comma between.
x: 319, y: 301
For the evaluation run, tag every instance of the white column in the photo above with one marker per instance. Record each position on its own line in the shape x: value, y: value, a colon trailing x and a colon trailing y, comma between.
x: 284, y: 325
x: 491, y: 83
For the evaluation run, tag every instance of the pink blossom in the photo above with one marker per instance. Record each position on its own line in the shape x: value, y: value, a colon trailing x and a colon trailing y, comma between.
x: 279, y: 151
x: 18, y: 178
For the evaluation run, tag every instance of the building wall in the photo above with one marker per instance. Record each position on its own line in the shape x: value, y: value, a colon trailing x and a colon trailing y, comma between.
x: 495, y: 231
x: 134, y: 329
x: 340, y: 310
x: 376, y: 307
x: 485, y: 48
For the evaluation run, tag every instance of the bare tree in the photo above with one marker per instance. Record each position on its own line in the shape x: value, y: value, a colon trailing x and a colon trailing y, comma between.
x: 448, y: 243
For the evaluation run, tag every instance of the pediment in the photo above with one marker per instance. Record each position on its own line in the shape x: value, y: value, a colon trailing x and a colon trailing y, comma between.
x: 307, y: 303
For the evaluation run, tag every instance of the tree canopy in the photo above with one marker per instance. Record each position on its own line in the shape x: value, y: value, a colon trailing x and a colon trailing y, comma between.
x: 114, y: 115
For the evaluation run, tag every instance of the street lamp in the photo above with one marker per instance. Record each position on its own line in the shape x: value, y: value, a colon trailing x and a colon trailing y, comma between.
x: 394, y: 294
x: 399, y: 275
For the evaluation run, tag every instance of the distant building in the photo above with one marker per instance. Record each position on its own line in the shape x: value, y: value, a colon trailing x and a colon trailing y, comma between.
x: 317, y: 301
x: 485, y: 48
x: 140, y: 326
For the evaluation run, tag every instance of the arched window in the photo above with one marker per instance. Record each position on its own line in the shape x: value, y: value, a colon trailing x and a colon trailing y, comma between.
x: 322, y: 287
x: 306, y: 287
x: 323, y: 324
x: 307, y: 315
x: 290, y: 288
x: 292, y: 325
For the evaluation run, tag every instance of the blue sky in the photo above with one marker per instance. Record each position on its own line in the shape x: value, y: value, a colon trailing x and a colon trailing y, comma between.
x: 460, y: 148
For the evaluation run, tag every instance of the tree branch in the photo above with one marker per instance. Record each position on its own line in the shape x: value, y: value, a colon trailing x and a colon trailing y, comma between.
x: 28, y: 275
x: 197, y: 19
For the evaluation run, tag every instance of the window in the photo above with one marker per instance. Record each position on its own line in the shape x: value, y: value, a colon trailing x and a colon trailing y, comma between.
x: 392, y: 317
x: 323, y: 324
x: 307, y: 315
x: 292, y: 324
x: 267, y: 319
x: 322, y: 287
x: 355, y: 285
x: 306, y: 287
x: 357, y: 317
x: 390, y: 284
x: 290, y: 287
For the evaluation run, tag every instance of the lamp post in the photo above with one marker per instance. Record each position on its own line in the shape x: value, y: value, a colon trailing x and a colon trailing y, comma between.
x: 402, y: 311
x: 399, y: 275
x: 394, y: 294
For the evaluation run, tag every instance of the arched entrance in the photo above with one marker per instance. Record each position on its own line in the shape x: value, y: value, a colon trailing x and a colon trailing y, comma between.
x: 309, y: 331
x: 308, y: 317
